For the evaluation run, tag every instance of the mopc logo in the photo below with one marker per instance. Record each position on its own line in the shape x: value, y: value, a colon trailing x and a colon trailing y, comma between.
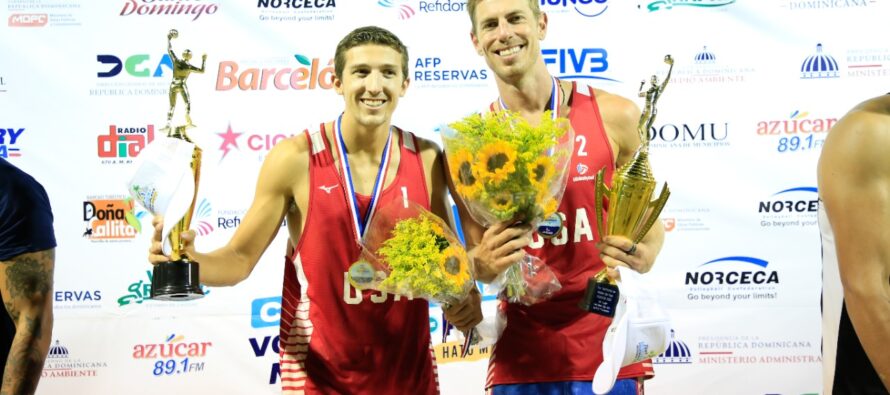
x: 123, y: 142
x: 659, y: 5
x: 793, y: 207
x: 577, y: 63
x: 255, y: 142
x: 111, y: 219
x: 8, y: 138
x: 195, y: 8
x: 27, y: 20
x: 308, y: 74
x: 588, y: 8
x: 139, y: 65
x: 404, y: 11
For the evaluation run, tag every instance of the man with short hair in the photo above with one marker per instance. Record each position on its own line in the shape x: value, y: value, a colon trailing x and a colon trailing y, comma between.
x: 335, y: 338
x: 554, y: 346
x: 854, y: 217
x: 27, y: 261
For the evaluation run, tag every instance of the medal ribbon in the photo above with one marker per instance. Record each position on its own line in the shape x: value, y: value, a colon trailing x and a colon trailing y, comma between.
x: 361, y: 226
x: 555, y: 100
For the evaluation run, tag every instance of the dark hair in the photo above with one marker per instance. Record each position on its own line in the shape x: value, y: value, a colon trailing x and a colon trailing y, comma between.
x: 369, y: 35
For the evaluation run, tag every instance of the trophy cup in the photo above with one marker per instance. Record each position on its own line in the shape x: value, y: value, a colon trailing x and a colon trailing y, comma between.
x: 631, y: 210
x: 166, y: 183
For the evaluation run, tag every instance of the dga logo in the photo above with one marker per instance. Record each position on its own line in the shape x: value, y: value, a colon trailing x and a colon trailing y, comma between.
x: 706, y: 67
x: 792, y: 207
x: 266, y: 313
x: 122, y: 144
x: 732, y: 279
x: 111, y: 219
x: 819, y: 65
x: 8, y: 138
x: 256, y: 143
x: 140, y: 291
x: 76, y: 299
x: 796, y: 5
x: 174, y: 356
x: 588, y: 8
x: 670, y: 4
x: 403, y: 10
x: 434, y: 72
x: 577, y: 63
x: 799, y: 133
x: 195, y: 8
x: 677, y: 352
x: 28, y: 20
x: 139, y: 65
x: 60, y: 363
x: 308, y: 74
x: 690, y: 135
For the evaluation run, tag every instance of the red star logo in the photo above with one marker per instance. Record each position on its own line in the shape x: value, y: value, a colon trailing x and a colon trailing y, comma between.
x: 230, y: 139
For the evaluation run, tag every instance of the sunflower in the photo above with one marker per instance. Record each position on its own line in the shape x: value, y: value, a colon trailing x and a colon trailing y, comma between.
x: 463, y: 174
x: 497, y: 160
x: 454, y: 268
x: 549, y: 207
x: 503, y: 205
x: 540, y: 173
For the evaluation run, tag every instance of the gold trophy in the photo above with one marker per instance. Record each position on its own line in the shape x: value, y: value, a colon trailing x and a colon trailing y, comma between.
x: 178, y: 279
x: 631, y: 210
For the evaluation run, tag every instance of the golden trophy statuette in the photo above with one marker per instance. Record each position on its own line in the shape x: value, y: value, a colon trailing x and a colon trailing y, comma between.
x: 632, y: 212
x: 178, y: 278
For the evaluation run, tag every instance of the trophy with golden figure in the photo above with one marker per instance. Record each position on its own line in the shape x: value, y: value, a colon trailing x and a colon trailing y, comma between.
x: 632, y: 212
x: 166, y: 183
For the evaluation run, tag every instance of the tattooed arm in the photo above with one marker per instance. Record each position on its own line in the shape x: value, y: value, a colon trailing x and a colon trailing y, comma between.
x: 26, y: 284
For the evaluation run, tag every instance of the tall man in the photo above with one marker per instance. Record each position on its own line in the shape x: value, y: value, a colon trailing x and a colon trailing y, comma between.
x: 854, y: 218
x: 27, y: 261
x: 553, y: 346
x: 336, y: 339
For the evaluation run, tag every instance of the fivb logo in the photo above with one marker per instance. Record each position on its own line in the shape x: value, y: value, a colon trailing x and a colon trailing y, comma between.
x: 134, y: 65
x: 659, y: 5
x: 577, y: 63
x: 588, y: 8
x: 27, y: 20
x: 124, y: 142
x: 404, y: 11
x: 9, y: 137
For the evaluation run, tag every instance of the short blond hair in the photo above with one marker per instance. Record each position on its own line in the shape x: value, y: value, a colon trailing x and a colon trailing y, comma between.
x: 471, y: 8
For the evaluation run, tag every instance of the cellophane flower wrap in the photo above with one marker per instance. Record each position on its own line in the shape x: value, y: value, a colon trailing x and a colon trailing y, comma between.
x: 414, y: 253
x: 506, y: 170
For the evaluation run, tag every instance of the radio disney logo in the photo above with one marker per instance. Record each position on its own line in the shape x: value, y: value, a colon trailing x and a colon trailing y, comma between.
x: 165, y: 8
x: 577, y: 63
x: 690, y: 135
x: 8, y: 138
x: 434, y: 72
x: 792, y: 207
x: 732, y: 279
x: 588, y: 8
x: 659, y: 5
x: 819, y: 65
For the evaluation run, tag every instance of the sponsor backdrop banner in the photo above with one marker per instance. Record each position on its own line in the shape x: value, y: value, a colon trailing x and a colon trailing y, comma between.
x: 756, y: 87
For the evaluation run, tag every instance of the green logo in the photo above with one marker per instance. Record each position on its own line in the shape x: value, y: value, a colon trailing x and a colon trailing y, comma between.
x: 669, y: 4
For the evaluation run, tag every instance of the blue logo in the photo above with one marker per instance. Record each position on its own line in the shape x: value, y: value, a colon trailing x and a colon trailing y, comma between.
x: 819, y: 65
x: 577, y: 63
x: 8, y: 137
x: 711, y: 276
x: 677, y: 352
x: 139, y: 65
x: 705, y: 57
x: 265, y: 312
x: 588, y: 8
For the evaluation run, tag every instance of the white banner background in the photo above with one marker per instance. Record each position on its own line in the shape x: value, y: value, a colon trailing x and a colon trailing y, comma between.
x: 738, y: 130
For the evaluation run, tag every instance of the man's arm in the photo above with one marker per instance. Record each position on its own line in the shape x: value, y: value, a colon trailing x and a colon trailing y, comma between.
x: 854, y: 184
x: 26, y: 284
x: 232, y: 263
x: 468, y: 313
x: 621, y: 118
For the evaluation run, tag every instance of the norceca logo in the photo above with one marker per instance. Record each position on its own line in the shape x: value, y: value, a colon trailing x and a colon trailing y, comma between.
x: 307, y: 74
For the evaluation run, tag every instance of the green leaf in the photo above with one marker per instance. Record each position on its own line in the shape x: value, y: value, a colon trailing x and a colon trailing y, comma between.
x: 303, y: 60
x: 133, y: 221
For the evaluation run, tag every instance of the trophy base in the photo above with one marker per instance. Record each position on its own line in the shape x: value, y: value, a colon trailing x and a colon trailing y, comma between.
x: 600, y: 298
x: 176, y: 281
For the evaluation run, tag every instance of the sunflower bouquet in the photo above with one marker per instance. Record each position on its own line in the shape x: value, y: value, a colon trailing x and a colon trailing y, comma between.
x: 409, y: 251
x: 507, y: 170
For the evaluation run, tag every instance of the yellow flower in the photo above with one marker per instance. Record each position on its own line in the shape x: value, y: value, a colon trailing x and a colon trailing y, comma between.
x: 549, y: 207
x: 454, y: 267
x: 463, y: 174
x: 497, y: 160
x: 540, y: 172
x: 502, y: 201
